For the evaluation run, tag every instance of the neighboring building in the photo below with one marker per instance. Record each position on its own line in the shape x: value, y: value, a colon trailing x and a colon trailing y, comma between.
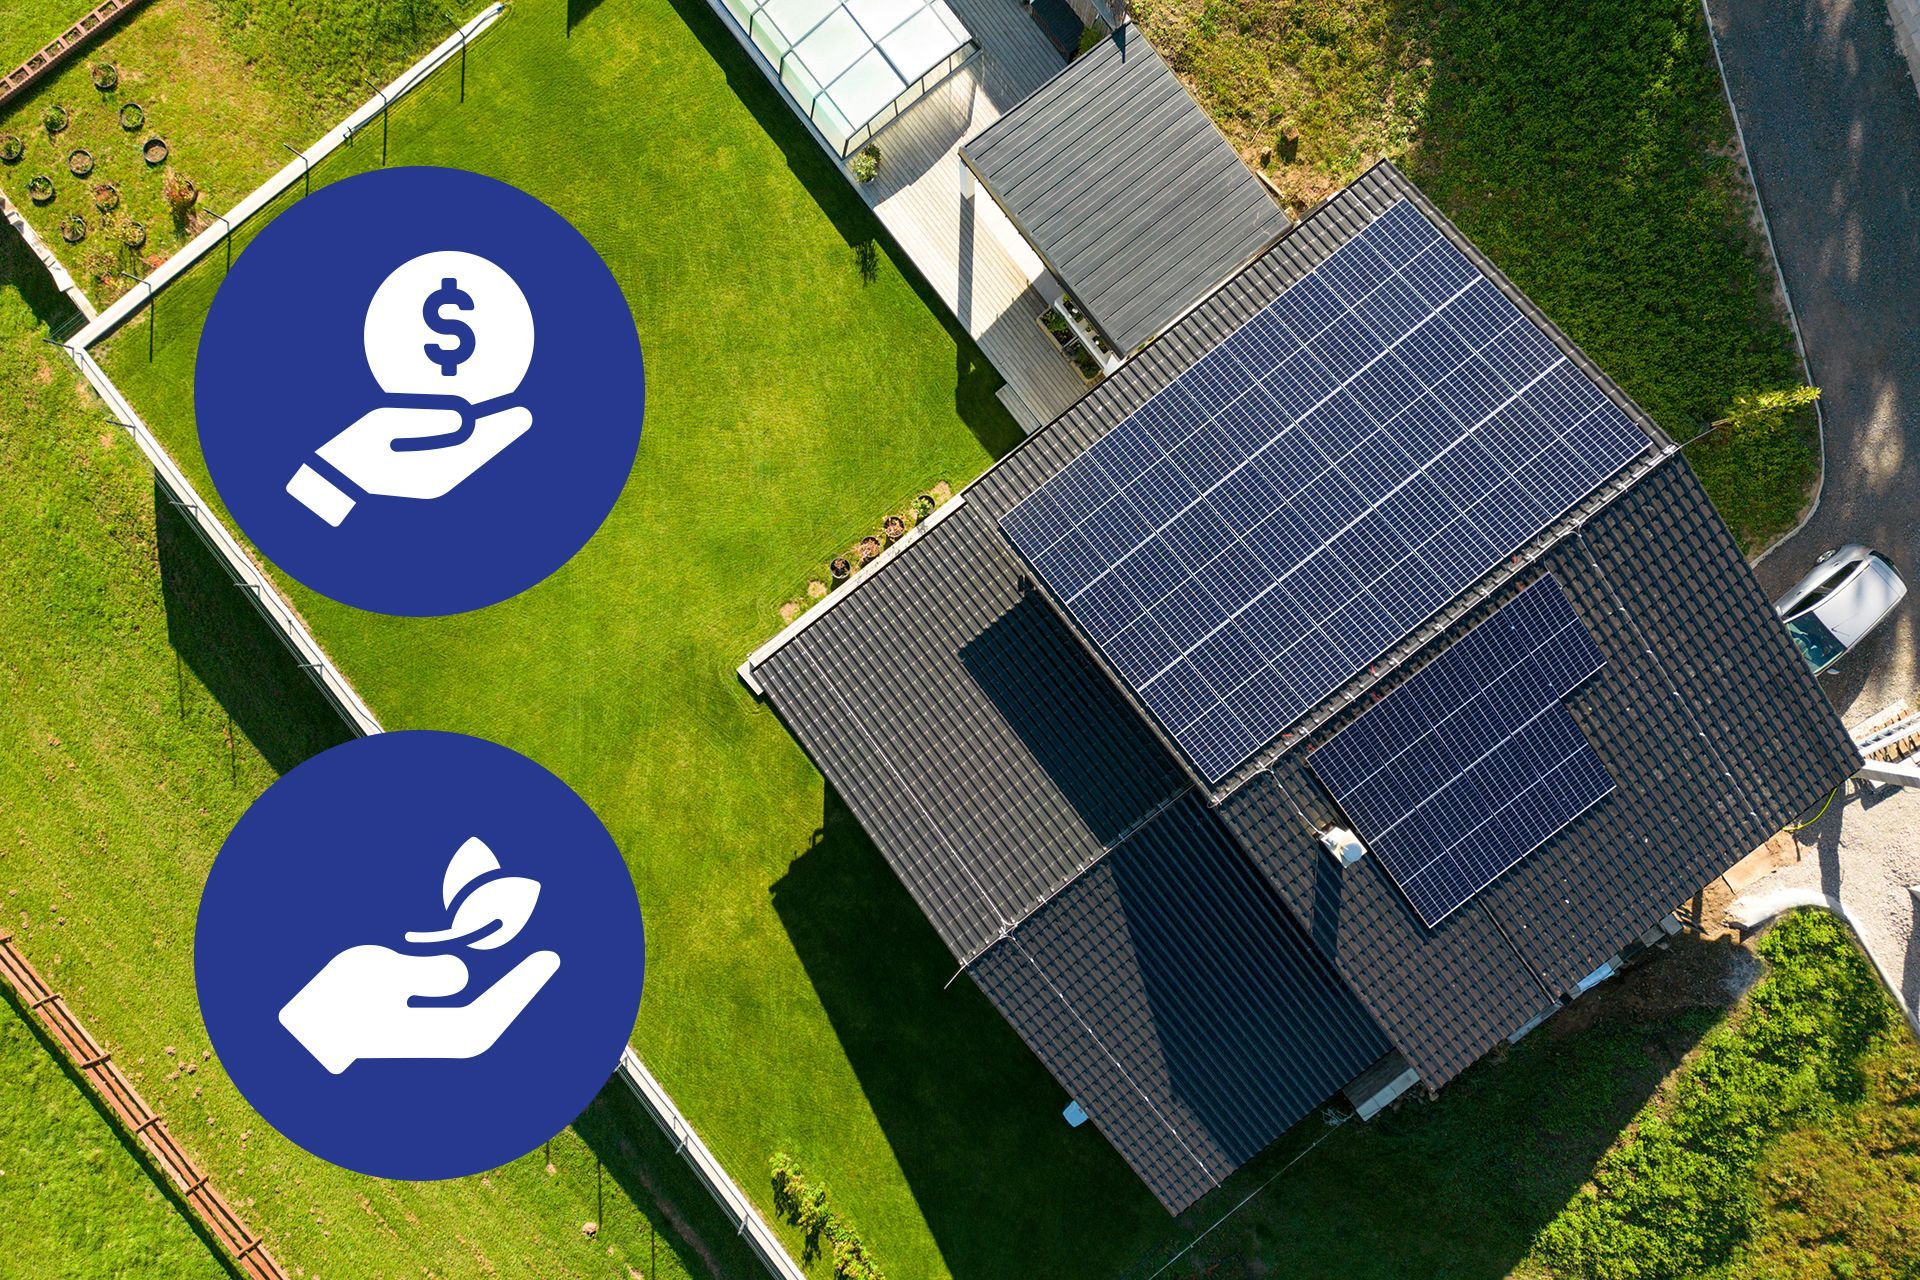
x: 1361, y: 544
x: 1126, y: 190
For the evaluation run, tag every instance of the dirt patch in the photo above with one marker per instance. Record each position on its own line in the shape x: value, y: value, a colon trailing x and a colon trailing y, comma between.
x: 1686, y: 972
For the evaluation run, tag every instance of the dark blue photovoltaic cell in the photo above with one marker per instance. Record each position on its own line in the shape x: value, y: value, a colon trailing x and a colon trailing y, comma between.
x: 1473, y: 763
x: 1367, y: 446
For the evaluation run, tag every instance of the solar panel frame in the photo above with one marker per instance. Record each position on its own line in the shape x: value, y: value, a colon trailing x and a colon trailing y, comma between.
x: 1342, y: 458
x: 1474, y: 761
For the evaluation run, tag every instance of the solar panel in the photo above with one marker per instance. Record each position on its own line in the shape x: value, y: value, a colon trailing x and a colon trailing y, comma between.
x: 1318, y: 485
x: 1473, y: 763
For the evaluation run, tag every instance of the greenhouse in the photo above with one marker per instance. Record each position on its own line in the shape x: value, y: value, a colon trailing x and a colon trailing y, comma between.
x: 853, y: 67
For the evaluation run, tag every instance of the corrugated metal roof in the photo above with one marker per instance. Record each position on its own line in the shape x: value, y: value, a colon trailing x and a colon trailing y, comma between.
x: 1126, y: 189
x: 1173, y: 997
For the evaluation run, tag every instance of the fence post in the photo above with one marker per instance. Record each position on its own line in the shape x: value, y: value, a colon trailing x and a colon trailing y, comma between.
x: 306, y: 172
x: 226, y: 238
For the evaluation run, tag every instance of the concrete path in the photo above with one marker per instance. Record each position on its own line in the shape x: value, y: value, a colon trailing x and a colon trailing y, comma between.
x: 1833, y: 132
x: 1862, y: 855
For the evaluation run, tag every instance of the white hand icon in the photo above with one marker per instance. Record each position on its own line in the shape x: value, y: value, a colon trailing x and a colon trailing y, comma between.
x: 359, y: 1006
x: 366, y: 454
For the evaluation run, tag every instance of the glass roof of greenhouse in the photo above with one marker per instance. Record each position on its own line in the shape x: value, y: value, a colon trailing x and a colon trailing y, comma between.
x: 853, y: 65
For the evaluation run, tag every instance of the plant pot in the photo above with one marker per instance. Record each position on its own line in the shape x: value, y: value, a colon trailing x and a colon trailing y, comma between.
x: 840, y: 570
x: 73, y: 228
x: 923, y: 507
x: 132, y: 116
x: 868, y: 550
x: 893, y: 528
x: 133, y: 234
x: 12, y: 147
x: 154, y: 150
x: 55, y: 119
x: 40, y: 189
x: 106, y: 197
x: 106, y: 76
x: 79, y: 162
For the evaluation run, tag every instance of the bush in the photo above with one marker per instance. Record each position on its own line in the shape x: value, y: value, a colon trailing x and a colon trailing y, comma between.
x: 866, y: 164
x: 54, y: 118
x: 12, y: 147
x: 1676, y: 1196
x: 179, y: 193
x: 805, y: 1206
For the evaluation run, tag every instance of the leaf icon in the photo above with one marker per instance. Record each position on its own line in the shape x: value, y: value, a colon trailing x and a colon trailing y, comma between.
x: 507, y: 902
x: 469, y: 862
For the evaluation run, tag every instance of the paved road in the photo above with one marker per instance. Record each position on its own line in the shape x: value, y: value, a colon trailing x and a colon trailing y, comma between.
x: 1833, y: 131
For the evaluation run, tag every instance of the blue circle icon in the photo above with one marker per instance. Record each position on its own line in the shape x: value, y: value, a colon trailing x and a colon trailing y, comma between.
x: 419, y: 391
x: 419, y: 955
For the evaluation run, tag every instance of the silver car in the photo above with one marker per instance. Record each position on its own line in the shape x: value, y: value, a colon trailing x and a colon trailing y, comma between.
x: 1850, y: 591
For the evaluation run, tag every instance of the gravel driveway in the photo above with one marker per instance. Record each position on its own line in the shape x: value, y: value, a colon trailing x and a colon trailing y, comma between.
x: 1832, y: 124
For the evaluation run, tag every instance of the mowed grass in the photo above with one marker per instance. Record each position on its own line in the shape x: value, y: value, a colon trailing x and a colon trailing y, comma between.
x: 126, y: 658
x: 27, y: 25
x: 1586, y: 148
x: 229, y: 86
x: 76, y: 1202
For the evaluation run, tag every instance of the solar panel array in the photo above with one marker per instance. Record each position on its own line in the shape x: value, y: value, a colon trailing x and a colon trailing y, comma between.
x: 1473, y: 763
x: 1322, y: 482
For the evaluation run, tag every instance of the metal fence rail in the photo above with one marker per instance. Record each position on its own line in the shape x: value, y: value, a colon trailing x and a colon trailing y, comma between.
x: 98, y: 1068
x: 286, y: 622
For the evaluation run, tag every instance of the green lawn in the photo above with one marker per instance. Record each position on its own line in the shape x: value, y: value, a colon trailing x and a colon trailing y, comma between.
x: 26, y: 25
x: 796, y: 999
x: 225, y: 84
x: 1585, y: 147
x: 76, y: 1201
x: 126, y: 659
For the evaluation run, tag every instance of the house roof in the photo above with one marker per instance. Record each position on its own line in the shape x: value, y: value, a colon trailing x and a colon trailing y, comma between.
x: 1706, y: 718
x: 1180, y: 1004
x: 1125, y: 188
x: 1057, y: 844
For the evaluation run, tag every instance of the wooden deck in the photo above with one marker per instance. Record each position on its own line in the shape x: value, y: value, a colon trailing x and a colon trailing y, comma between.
x: 950, y: 229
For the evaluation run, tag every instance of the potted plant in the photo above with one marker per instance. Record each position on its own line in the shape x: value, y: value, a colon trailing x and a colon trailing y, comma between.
x: 40, y: 188
x: 133, y: 234
x: 867, y: 164
x: 80, y: 162
x: 868, y: 550
x: 132, y: 116
x: 840, y: 570
x: 106, y: 197
x: 54, y: 118
x: 105, y: 76
x: 922, y: 507
x: 73, y: 228
x: 12, y: 147
x: 155, y: 151
x: 893, y: 527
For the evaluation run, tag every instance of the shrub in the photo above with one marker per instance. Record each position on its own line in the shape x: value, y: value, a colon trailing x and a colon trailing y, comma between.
x: 806, y: 1207
x: 40, y: 188
x: 133, y: 234
x: 73, y: 228
x: 54, y: 118
x: 12, y: 147
x: 866, y: 164
x: 179, y: 193
x: 106, y: 197
x: 1676, y: 1196
x: 132, y: 116
x: 105, y: 76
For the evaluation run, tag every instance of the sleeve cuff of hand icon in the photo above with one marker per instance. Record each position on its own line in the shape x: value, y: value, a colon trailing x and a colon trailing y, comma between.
x: 320, y: 495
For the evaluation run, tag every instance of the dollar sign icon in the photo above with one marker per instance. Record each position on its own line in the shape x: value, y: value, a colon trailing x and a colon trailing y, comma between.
x: 449, y: 294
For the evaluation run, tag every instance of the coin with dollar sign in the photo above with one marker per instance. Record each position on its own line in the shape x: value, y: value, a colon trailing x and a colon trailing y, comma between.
x: 451, y: 324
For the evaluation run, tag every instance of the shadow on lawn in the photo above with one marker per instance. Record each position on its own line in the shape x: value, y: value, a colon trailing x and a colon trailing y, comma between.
x: 218, y: 633
x: 975, y: 381
x: 161, y: 1182
x: 1006, y: 1188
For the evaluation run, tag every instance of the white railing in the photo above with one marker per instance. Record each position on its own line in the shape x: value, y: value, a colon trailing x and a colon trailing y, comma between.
x: 740, y: 1211
x: 292, y: 629
x: 296, y: 170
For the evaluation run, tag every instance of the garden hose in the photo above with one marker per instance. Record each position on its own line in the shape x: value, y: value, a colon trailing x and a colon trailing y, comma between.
x: 1820, y: 813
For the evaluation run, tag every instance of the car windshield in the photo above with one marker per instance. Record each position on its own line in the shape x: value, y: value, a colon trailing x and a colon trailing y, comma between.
x: 1819, y: 646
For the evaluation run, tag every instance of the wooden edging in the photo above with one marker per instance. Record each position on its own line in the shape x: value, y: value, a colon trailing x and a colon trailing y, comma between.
x: 62, y: 47
x: 94, y: 1064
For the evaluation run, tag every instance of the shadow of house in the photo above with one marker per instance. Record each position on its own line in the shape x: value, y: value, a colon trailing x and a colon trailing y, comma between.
x: 968, y: 1112
x: 236, y: 654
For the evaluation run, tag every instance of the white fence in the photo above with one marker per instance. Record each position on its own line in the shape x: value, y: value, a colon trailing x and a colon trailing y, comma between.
x: 292, y: 629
